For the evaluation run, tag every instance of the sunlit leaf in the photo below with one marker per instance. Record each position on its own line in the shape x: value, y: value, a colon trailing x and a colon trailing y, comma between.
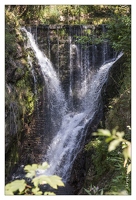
x: 102, y: 132
x: 113, y: 145
x: 8, y: 192
x: 129, y: 127
x: 129, y: 169
x: 31, y: 170
x: 109, y: 139
x: 30, y: 175
x: 14, y: 186
x: 53, y: 181
x: 44, y: 166
x: 127, y: 152
x: 125, y: 162
x: 49, y: 193
x: 120, y: 134
x: 39, y: 180
x: 36, y: 191
x: 114, y: 130
x: 124, y: 145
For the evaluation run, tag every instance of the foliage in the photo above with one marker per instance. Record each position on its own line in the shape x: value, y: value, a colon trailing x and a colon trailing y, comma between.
x: 119, y: 33
x: 22, y: 188
x: 93, y: 190
x: 118, y: 25
x: 115, y: 138
x: 116, y: 17
x: 66, y: 14
x: 9, y: 42
x: 91, y: 39
x: 103, y: 160
x: 24, y: 12
x: 120, y: 106
x: 118, y: 20
x: 110, y: 160
x: 14, y: 186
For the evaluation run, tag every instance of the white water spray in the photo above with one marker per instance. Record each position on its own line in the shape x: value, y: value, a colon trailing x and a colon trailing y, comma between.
x: 67, y: 142
x: 55, y: 93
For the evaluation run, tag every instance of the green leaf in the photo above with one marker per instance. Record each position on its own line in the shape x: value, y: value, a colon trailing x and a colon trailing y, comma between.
x: 109, y: 139
x: 39, y: 180
x: 9, y: 192
x: 53, y: 181
x: 30, y: 175
x: 114, y: 144
x: 36, y: 191
x: 31, y: 170
x: 124, y: 145
x: 101, y: 193
x: 129, y: 169
x: 14, y: 186
x: 127, y: 152
x: 49, y: 193
x: 102, y: 132
x: 88, y: 192
x: 114, y: 131
x: 120, y: 134
x: 44, y: 166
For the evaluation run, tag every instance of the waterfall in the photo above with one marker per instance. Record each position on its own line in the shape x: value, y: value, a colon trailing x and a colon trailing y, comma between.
x: 68, y: 141
x: 87, y: 86
x: 56, y: 96
x: 71, y: 75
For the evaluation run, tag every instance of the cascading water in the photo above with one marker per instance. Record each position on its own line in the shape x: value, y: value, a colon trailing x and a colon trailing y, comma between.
x: 67, y: 142
x: 69, y: 138
x: 58, y: 104
x: 70, y: 100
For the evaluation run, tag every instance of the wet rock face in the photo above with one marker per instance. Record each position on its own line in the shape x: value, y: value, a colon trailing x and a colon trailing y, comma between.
x: 13, y: 113
x: 78, y: 173
x: 14, y: 71
x: 115, y: 79
x: 55, y: 42
x: 20, y: 105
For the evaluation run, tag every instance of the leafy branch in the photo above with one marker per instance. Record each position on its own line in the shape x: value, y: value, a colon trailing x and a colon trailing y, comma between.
x: 115, y: 138
x: 21, y: 187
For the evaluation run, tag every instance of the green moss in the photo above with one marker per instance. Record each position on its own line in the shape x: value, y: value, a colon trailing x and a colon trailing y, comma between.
x: 10, y: 45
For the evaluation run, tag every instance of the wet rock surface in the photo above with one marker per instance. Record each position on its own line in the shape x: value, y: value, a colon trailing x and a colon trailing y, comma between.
x: 34, y: 140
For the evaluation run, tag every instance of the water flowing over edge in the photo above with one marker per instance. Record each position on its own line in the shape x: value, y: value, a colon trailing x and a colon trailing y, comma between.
x: 55, y: 94
x: 67, y: 141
